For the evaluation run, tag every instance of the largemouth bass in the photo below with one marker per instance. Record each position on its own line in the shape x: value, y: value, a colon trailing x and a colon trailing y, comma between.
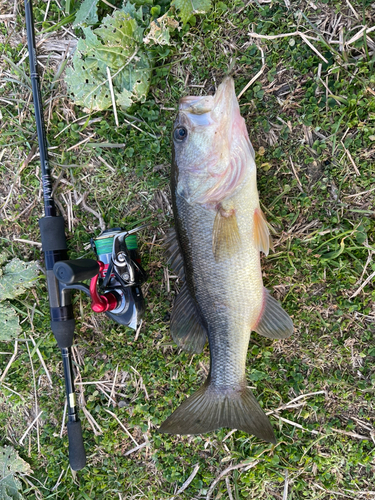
x: 215, y: 248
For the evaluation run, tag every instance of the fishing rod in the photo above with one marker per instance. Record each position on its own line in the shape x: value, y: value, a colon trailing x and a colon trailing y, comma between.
x: 116, y: 275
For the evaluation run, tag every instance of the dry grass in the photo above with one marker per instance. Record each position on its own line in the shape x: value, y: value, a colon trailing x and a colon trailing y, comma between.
x: 317, y: 384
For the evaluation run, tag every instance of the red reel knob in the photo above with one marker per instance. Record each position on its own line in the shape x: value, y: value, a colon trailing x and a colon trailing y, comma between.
x: 101, y: 303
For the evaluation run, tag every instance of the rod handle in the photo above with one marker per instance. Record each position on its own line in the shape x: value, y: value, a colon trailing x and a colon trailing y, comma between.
x: 77, y: 455
x: 72, y: 271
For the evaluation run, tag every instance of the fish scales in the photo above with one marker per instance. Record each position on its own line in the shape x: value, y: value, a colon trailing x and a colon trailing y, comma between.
x: 220, y: 230
x: 220, y: 287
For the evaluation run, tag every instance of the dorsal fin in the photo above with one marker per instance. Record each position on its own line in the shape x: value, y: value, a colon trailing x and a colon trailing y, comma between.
x: 262, y: 236
x: 173, y: 253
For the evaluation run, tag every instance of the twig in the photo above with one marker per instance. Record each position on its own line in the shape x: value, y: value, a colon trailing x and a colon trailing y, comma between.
x: 12, y: 390
x: 58, y: 481
x: 112, y: 96
x: 351, y: 434
x: 30, y: 427
x: 28, y: 159
x: 123, y: 427
x: 358, y: 35
x: 47, y: 9
x: 35, y: 393
x: 230, y: 496
x: 297, y: 399
x: 112, y: 395
x: 110, y: 5
x: 351, y: 159
x: 229, y: 434
x: 138, y: 330
x: 8, y: 198
x: 294, y: 33
x: 140, y: 130
x: 74, y: 121
x: 106, y: 164
x: 295, y: 174
x: 226, y: 471
x: 92, y: 382
x: 10, y: 362
x: 141, y: 384
x: 63, y: 419
x: 94, y: 424
x: 359, y: 194
x: 41, y: 360
x: 285, y: 492
x: 299, y: 426
x: 343, y: 494
x: 92, y: 211
x: 139, y: 447
x: 367, y: 280
x: 256, y: 76
x: 29, y: 242
x: 187, y: 482
x: 312, y: 47
x: 25, y: 210
x: 329, y: 92
x: 81, y: 142
x: 99, y: 386
x: 352, y: 9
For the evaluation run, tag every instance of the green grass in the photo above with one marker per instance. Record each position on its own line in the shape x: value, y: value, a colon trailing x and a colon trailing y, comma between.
x: 324, y: 245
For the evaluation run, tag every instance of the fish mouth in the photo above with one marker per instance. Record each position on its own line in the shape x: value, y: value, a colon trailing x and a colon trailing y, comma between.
x: 220, y: 108
x: 224, y: 100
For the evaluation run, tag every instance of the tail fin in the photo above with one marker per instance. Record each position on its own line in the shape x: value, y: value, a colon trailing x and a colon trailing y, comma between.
x: 211, y: 408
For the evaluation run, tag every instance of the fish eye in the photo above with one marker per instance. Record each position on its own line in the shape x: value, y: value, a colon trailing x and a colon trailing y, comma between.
x: 180, y: 133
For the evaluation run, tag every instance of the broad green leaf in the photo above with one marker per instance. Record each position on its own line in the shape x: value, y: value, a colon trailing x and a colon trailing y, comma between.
x: 188, y: 8
x: 3, y: 258
x: 9, y: 322
x: 87, y: 13
x: 131, y: 9
x: 160, y: 30
x: 17, y: 277
x: 124, y: 99
x: 10, y: 465
x: 116, y: 44
x: 361, y: 237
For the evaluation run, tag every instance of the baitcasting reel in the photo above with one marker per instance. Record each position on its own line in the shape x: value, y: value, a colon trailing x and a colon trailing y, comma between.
x: 116, y: 276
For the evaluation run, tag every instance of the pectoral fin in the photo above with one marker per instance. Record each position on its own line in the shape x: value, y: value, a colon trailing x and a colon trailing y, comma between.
x: 262, y: 237
x: 225, y: 235
x: 187, y: 328
x: 273, y: 322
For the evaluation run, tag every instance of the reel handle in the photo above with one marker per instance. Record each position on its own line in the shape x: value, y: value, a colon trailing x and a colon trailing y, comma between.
x: 72, y: 271
x: 102, y: 303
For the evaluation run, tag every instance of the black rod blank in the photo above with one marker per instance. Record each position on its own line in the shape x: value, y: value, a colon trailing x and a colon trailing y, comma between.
x: 49, y: 204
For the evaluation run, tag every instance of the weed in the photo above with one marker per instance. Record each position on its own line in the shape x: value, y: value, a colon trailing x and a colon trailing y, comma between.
x: 311, y: 122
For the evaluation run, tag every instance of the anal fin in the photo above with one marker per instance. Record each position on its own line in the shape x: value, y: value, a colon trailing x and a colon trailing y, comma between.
x: 262, y: 236
x: 187, y: 329
x: 273, y: 322
x: 225, y: 235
